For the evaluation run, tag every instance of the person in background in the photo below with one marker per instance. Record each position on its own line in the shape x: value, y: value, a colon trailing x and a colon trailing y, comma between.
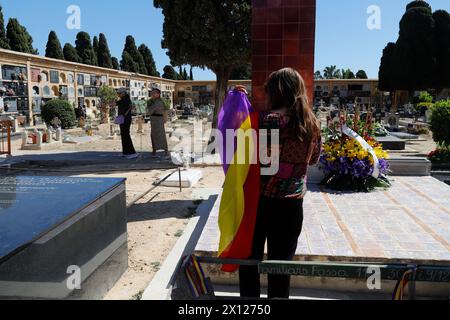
x: 124, y: 109
x: 158, y: 134
x: 280, y: 212
x: 2, y: 103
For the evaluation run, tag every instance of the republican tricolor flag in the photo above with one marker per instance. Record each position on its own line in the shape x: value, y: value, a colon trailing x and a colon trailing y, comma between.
x: 240, y: 197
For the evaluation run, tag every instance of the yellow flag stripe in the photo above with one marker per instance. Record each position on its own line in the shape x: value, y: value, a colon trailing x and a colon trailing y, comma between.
x: 232, y: 204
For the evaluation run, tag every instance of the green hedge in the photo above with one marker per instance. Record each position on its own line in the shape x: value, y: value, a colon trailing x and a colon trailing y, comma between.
x: 440, y: 122
x: 61, y: 109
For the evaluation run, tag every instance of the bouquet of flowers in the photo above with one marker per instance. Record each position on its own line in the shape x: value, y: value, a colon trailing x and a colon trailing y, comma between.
x: 350, y: 165
x: 440, y: 155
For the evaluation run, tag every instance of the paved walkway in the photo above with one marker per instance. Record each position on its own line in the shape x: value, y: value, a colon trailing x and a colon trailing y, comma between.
x: 408, y: 223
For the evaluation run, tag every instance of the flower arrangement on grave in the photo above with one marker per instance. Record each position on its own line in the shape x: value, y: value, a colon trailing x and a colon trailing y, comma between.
x: 352, y: 159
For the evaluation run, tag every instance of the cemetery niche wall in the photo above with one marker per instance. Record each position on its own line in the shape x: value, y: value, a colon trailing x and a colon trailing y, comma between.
x: 55, y: 232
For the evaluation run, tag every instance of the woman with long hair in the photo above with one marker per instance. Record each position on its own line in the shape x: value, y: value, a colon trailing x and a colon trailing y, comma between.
x: 280, y: 212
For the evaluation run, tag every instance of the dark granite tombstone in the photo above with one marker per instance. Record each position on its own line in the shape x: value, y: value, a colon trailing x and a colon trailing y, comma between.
x: 48, y: 225
x: 392, y: 143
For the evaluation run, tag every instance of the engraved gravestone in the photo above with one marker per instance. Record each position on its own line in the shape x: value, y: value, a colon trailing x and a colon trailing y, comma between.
x: 48, y: 224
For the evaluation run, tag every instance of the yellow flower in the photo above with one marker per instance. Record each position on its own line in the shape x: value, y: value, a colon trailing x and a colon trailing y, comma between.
x: 362, y: 155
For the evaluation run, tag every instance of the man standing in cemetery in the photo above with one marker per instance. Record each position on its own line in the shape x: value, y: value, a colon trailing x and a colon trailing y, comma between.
x: 158, y: 134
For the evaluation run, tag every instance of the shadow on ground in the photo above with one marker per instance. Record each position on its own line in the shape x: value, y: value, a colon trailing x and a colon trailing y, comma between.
x: 155, y: 210
x: 89, y: 162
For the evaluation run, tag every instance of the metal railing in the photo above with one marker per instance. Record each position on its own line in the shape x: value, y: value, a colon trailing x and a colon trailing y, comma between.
x: 361, y: 271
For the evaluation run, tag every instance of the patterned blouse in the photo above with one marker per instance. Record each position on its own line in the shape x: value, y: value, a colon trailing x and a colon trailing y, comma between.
x: 295, y: 157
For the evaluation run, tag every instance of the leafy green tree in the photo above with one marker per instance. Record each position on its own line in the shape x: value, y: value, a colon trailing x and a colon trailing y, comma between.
x: 211, y: 34
x: 170, y: 73
x: 347, y: 74
x: 361, y: 74
x: 440, y: 123
x: 387, y: 74
x: 149, y: 62
x: 104, y: 58
x: 3, y: 39
x: 60, y: 109
x: 425, y: 97
x: 442, y: 36
x: 115, y: 63
x: 54, y: 49
x: 84, y: 49
x: 242, y: 72
x: 18, y: 37
x: 132, y: 52
x: 70, y: 53
x: 107, y: 97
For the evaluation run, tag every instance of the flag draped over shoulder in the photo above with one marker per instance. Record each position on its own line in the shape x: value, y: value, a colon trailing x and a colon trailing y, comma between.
x: 240, y: 197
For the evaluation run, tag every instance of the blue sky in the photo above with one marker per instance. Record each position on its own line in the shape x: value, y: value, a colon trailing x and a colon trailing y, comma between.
x: 342, y: 37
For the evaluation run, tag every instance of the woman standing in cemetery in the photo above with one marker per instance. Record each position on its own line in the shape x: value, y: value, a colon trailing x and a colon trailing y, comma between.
x: 280, y: 211
x: 158, y: 134
x: 124, y: 109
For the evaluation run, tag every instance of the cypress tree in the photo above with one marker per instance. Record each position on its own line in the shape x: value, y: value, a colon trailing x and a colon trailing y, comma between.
x: 70, y: 53
x: 361, y: 74
x: 414, y: 56
x: 53, y: 49
x: 388, y: 78
x: 132, y: 51
x: 442, y: 45
x: 3, y: 39
x: 191, y: 74
x: 18, y: 37
x: 169, y: 73
x: 84, y: 49
x: 185, y: 76
x: 128, y: 64
x: 95, y: 47
x: 150, y: 64
x: 104, y: 55
x: 115, y: 63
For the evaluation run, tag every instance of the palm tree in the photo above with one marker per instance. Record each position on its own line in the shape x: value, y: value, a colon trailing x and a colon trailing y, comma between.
x: 331, y: 72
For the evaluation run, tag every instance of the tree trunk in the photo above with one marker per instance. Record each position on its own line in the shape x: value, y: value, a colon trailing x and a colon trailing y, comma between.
x: 104, y: 110
x: 223, y: 76
x: 394, y: 106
